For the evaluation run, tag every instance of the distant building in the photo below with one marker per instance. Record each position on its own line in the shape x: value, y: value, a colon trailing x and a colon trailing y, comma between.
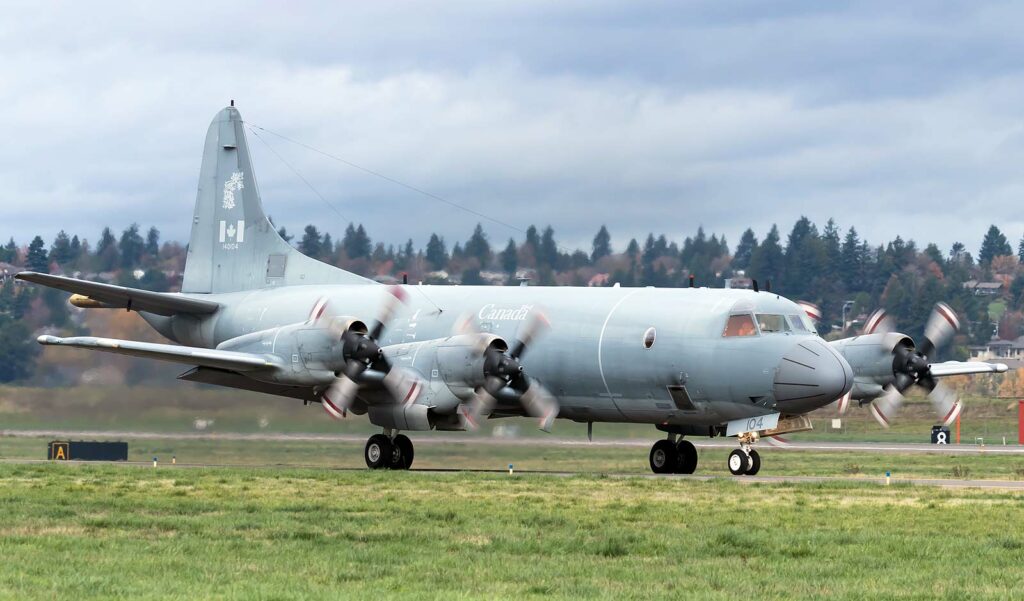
x: 599, y: 279
x: 7, y: 271
x: 1010, y: 352
x: 983, y: 288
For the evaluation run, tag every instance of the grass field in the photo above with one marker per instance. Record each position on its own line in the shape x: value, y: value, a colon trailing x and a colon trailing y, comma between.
x: 585, y: 459
x: 101, y: 532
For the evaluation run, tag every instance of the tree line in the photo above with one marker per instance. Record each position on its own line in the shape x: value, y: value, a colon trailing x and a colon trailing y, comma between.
x: 844, y: 274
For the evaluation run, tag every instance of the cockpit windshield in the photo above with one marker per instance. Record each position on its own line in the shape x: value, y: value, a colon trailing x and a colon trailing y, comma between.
x: 771, y: 324
x: 739, y: 325
x: 800, y: 323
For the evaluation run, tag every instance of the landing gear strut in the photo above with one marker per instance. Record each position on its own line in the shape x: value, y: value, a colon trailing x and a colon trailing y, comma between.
x: 388, y: 451
x: 745, y: 461
x: 673, y: 456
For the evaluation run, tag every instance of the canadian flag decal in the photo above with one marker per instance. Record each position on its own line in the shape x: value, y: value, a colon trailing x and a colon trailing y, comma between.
x: 232, y: 232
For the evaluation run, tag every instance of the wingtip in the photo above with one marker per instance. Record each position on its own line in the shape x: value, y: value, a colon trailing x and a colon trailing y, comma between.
x: 47, y: 339
x: 1001, y: 368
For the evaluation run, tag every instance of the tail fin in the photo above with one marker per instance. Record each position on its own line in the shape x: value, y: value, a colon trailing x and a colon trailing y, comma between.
x: 233, y: 245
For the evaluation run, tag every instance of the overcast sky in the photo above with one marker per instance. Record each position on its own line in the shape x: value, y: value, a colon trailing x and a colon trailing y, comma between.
x: 896, y: 118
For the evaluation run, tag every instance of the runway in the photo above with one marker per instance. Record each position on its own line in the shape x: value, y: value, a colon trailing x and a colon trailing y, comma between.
x: 764, y: 479
x: 436, y: 438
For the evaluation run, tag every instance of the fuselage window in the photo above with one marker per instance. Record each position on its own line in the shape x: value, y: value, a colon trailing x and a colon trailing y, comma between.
x: 799, y: 323
x: 772, y: 323
x: 740, y: 325
x: 649, y: 338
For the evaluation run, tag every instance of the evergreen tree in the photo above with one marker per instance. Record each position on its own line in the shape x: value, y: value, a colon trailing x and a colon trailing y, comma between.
x: 548, y: 255
x: 478, y: 247
x: 18, y: 351
x: 1020, y: 250
x: 437, y: 253
x: 766, y: 264
x: 106, y: 251
x: 994, y: 245
x: 284, y: 234
x: 311, y: 244
x: 61, y: 249
x: 602, y: 246
x: 37, y: 259
x: 327, y: 248
x: 356, y: 243
x: 745, y: 250
x: 9, y: 252
x: 131, y: 246
x: 933, y: 253
x: 510, y: 258
x: 76, y: 248
x: 153, y: 243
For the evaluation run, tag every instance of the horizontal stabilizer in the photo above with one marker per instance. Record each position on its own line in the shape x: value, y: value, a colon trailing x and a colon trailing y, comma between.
x: 230, y: 360
x: 119, y: 297
x: 961, y: 368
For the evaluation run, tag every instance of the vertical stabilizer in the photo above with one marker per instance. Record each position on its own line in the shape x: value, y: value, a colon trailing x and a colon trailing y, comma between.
x: 233, y: 245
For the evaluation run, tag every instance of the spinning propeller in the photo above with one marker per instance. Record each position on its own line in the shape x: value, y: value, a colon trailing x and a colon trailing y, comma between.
x: 503, y: 369
x: 911, y: 366
x: 361, y: 351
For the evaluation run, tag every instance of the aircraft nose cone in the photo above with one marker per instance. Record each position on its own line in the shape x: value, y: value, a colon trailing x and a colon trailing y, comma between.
x: 811, y: 375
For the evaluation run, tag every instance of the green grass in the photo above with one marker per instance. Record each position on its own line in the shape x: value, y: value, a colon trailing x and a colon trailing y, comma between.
x: 596, y: 459
x: 102, y: 532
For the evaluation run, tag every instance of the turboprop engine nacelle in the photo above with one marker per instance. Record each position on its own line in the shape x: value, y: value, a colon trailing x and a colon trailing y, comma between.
x: 311, y: 353
x: 453, y: 367
x: 872, y: 357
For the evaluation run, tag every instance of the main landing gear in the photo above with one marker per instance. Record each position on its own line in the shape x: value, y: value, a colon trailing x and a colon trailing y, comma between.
x: 673, y: 456
x: 745, y: 461
x: 388, y: 451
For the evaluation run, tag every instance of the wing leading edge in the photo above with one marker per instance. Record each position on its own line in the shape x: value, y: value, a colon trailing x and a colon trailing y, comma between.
x: 120, y: 297
x: 961, y: 368
x: 230, y: 360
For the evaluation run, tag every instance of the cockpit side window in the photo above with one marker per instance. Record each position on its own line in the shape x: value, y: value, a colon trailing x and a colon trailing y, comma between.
x: 770, y: 323
x: 739, y: 325
x: 799, y: 323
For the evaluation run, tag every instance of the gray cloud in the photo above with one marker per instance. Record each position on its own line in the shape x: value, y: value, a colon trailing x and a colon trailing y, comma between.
x: 893, y: 119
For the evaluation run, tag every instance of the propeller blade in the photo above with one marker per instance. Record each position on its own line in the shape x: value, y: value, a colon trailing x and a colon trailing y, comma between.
x: 942, y: 325
x: 843, y: 403
x: 878, y: 322
x: 541, y: 404
x: 813, y: 311
x: 946, y: 402
x: 338, y: 397
x: 536, y: 325
x: 885, y: 407
x: 403, y: 385
x: 389, y: 308
x: 477, y: 409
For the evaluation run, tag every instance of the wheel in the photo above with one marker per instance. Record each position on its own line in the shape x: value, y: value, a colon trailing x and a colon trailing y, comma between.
x: 663, y: 457
x: 378, y: 452
x: 687, y: 457
x: 401, y: 457
x: 755, y: 463
x: 738, y: 462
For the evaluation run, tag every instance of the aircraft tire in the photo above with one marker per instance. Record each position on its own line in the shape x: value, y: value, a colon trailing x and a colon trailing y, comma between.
x: 739, y: 463
x: 401, y: 458
x: 755, y: 463
x: 664, y: 457
x: 687, y: 457
x: 378, y: 452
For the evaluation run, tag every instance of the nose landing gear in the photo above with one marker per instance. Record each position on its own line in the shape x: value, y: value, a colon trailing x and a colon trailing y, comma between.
x: 388, y: 451
x: 745, y: 461
x: 673, y: 456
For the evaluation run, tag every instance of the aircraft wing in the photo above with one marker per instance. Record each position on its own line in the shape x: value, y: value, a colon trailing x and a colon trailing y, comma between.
x: 960, y: 368
x: 230, y: 360
x: 118, y: 297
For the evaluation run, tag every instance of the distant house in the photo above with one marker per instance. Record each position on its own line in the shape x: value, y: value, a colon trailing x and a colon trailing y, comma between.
x: 7, y: 271
x: 983, y: 288
x: 1010, y: 352
x: 599, y: 279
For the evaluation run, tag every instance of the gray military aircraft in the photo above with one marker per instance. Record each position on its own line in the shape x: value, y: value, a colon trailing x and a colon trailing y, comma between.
x: 255, y: 314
